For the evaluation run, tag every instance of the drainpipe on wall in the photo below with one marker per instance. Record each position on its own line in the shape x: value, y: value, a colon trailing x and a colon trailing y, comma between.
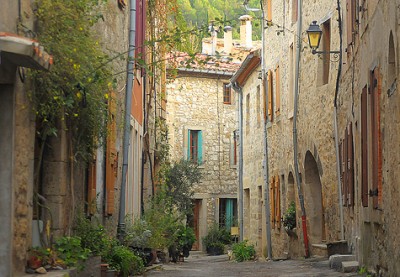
x: 295, y: 151
x: 238, y: 89
x: 265, y: 136
x: 265, y: 140
x: 128, y: 103
x: 336, y: 125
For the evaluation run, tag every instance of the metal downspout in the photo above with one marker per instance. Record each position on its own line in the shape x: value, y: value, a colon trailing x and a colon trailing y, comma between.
x: 241, y: 162
x: 128, y: 104
x: 295, y: 151
x: 240, y: 120
x: 143, y: 151
x: 265, y: 141
x: 336, y: 124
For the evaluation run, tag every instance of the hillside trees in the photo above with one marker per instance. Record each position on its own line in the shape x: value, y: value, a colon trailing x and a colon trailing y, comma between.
x: 197, y: 14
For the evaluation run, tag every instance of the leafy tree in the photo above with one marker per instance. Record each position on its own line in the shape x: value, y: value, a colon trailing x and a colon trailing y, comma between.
x: 199, y: 13
x: 177, y: 180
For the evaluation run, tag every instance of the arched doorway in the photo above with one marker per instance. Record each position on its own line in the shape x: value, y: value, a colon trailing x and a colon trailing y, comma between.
x: 290, y: 196
x: 313, y: 200
x: 294, y: 246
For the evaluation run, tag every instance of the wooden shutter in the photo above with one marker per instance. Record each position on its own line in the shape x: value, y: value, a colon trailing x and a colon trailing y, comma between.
x: 294, y: 10
x: 277, y: 202
x: 277, y: 91
x: 349, y: 22
x: 270, y: 96
x: 272, y: 201
x: 345, y: 175
x: 364, y: 147
x: 350, y: 166
x: 111, y: 156
x: 376, y: 138
x: 199, y: 147
x: 269, y: 12
x: 265, y: 89
x: 341, y: 165
x: 188, y: 145
x: 91, y: 192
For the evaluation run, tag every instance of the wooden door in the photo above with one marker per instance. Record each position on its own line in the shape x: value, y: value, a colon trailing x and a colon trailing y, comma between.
x: 194, y: 223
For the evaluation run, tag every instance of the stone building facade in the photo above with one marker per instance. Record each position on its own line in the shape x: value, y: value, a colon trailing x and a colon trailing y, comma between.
x: 17, y: 123
x: 195, y: 107
x: 360, y: 180
x: 65, y: 188
x: 368, y: 120
x: 202, y: 115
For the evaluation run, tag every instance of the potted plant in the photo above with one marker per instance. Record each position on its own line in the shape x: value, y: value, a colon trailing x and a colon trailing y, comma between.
x: 216, y: 239
x: 289, y: 219
x: 38, y: 256
x: 121, y: 259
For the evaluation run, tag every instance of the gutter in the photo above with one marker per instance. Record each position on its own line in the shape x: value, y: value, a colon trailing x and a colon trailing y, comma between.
x: 128, y: 104
x: 206, y: 71
x: 265, y: 141
x: 238, y: 89
x: 295, y: 151
x: 336, y: 124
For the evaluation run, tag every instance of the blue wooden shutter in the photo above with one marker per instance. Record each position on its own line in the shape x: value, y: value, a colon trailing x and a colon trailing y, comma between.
x: 188, y: 146
x: 200, y: 148
x: 229, y: 214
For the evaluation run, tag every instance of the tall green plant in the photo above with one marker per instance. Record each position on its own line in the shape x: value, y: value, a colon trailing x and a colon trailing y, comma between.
x: 73, y: 94
x: 177, y: 181
x: 93, y: 235
x: 243, y: 251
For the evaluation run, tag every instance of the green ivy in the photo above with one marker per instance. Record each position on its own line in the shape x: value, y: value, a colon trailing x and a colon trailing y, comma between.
x: 69, y: 249
x: 73, y: 94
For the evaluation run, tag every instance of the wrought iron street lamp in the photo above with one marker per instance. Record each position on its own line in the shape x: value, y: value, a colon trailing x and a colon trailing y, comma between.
x: 314, y: 34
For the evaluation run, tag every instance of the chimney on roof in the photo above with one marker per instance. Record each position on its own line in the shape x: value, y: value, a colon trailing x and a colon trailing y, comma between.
x: 228, y: 39
x: 213, y: 32
x: 246, y: 31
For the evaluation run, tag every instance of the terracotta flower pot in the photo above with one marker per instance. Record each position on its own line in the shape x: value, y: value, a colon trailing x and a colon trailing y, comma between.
x: 34, y: 262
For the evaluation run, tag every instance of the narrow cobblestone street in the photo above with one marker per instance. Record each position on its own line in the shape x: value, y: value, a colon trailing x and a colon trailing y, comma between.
x: 198, y: 264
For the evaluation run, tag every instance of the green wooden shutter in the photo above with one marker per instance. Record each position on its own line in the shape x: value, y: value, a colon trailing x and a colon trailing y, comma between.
x: 228, y: 214
x: 200, y: 147
x: 188, y: 145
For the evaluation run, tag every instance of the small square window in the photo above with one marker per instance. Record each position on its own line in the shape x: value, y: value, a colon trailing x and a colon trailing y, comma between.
x: 227, y: 94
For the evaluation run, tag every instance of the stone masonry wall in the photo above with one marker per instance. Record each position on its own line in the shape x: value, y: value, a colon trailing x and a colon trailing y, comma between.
x: 372, y: 233
x: 314, y: 127
x: 196, y: 102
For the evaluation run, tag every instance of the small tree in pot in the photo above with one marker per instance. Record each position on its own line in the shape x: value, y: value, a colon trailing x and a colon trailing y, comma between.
x: 216, y: 239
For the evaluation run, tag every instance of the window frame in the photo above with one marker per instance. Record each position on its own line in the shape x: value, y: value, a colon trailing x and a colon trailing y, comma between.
x: 227, y: 94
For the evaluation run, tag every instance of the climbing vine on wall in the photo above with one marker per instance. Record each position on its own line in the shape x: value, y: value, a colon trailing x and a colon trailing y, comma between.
x: 73, y: 94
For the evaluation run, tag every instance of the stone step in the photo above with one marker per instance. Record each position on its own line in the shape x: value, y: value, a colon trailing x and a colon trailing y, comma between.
x: 319, y: 249
x: 335, y: 261
x: 350, y: 266
x: 338, y: 247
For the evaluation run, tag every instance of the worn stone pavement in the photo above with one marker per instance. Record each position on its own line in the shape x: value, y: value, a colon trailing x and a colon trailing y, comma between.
x: 199, y: 264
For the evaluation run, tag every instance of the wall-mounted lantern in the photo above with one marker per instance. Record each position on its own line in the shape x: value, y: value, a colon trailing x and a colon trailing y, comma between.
x: 314, y: 34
